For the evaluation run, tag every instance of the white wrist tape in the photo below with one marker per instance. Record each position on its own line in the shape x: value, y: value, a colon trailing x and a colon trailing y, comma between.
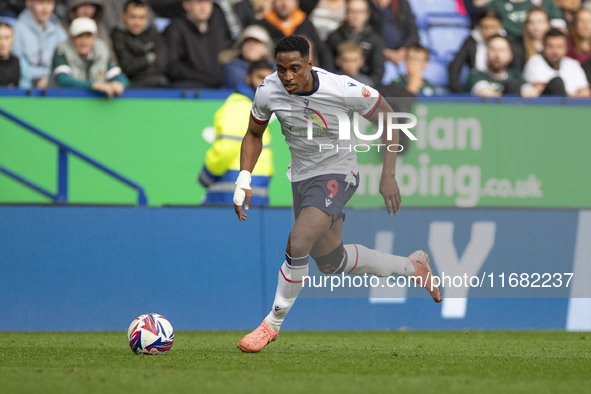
x: 243, y: 182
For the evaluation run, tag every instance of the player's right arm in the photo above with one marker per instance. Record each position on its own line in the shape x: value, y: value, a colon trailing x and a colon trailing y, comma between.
x: 252, y: 145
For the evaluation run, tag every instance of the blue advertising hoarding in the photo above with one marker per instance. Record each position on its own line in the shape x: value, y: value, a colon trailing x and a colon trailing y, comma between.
x: 96, y: 268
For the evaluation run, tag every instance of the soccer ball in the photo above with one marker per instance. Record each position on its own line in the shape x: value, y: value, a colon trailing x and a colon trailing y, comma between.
x: 150, y: 333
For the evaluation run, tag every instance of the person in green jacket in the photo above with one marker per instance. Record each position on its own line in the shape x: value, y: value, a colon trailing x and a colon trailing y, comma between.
x: 514, y: 12
x: 498, y: 79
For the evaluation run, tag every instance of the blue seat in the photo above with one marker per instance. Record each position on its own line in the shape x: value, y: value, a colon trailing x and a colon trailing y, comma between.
x: 448, y: 19
x: 446, y: 41
x: 436, y: 73
x: 8, y: 20
x: 161, y: 23
x: 422, y: 8
x: 424, y: 38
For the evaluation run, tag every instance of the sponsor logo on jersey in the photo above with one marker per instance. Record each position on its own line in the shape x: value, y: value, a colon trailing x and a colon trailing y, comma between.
x: 349, y: 84
x: 365, y: 92
x: 310, y: 113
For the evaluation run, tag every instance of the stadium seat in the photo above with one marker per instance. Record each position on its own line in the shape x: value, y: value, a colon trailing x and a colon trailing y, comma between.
x: 436, y: 73
x: 391, y: 72
x: 422, y: 8
x: 448, y: 19
x: 161, y: 23
x: 446, y: 41
x: 424, y: 38
x: 8, y: 20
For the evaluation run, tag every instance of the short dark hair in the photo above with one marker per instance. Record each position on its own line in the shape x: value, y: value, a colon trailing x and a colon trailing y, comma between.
x: 504, y: 38
x: 420, y: 48
x: 490, y: 13
x: 553, y: 32
x: 293, y: 44
x: 260, y: 65
x: 349, y: 46
x: 137, y: 3
x: 4, y: 24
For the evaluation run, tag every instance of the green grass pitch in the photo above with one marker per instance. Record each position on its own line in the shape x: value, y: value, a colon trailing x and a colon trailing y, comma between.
x: 301, y: 362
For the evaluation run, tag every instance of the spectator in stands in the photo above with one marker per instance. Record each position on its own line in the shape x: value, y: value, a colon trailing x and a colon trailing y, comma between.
x: 349, y: 61
x: 89, y: 9
x: 579, y: 45
x: 254, y: 44
x: 356, y: 28
x: 535, y: 28
x: 394, y: 20
x: 139, y: 47
x: 513, y: 13
x: 260, y: 8
x: 475, y: 9
x: 417, y: 60
x: 222, y: 160
x: 286, y: 19
x: 12, y: 72
x: 327, y: 16
x: 473, y: 51
x: 552, y: 73
x: 194, y: 44
x: 36, y: 34
x: 568, y: 8
x: 84, y: 61
x: 112, y: 11
x: 498, y: 79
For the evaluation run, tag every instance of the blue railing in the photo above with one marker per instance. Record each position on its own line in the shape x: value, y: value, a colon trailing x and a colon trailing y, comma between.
x: 62, y: 166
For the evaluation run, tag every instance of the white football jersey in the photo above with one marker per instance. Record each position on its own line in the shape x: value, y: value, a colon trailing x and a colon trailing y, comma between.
x: 310, y: 122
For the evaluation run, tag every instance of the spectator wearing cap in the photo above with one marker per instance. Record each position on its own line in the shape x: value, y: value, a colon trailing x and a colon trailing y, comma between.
x: 194, y: 44
x: 84, y: 62
x: 254, y: 44
x: 37, y: 32
x: 139, y: 47
x: 93, y: 9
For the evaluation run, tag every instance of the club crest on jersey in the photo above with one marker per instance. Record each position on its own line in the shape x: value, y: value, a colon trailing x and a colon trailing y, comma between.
x: 365, y: 92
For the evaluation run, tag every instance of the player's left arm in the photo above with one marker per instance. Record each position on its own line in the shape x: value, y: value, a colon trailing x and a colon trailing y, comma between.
x: 388, y: 185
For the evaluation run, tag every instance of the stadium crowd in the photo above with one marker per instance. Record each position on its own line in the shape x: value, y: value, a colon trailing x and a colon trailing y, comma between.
x: 416, y: 47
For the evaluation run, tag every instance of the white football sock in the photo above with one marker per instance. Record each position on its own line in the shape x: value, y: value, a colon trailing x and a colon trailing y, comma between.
x: 289, y: 284
x: 362, y: 260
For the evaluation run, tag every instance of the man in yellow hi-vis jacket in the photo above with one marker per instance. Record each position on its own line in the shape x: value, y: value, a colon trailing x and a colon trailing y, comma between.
x: 222, y: 160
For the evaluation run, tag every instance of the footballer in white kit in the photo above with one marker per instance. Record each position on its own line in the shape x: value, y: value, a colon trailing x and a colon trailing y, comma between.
x: 312, y: 106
